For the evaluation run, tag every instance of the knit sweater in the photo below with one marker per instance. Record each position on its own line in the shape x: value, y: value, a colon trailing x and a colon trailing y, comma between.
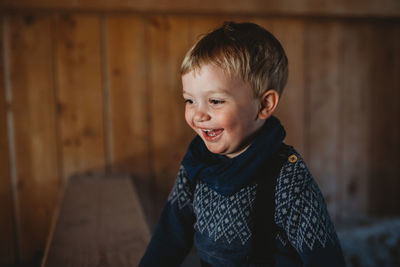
x: 222, y: 226
x: 305, y: 236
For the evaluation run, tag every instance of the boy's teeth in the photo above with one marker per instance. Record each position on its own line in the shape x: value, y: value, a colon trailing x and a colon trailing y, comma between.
x: 209, y: 132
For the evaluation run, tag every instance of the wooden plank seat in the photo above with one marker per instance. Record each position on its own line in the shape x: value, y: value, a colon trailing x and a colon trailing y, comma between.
x: 100, y: 223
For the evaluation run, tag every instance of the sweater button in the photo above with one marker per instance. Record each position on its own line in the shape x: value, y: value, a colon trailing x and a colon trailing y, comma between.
x: 292, y: 158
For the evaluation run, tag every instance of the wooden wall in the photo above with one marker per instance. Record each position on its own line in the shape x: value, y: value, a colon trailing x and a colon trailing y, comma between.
x: 88, y: 88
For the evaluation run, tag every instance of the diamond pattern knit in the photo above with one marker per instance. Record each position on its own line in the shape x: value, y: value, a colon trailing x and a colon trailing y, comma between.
x: 181, y: 193
x: 226, y: 218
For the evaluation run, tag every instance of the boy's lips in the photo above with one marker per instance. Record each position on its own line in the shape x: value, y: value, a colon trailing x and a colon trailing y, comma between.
x: 211, y: 134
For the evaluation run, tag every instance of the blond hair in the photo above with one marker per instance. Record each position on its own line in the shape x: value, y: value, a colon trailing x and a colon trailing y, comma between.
x: 243, y: 49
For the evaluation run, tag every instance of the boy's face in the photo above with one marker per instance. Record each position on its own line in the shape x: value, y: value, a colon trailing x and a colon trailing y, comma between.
x: 221, y: 109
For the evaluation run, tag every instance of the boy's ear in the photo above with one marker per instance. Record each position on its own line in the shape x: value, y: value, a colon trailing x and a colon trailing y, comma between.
x: 269, y: 101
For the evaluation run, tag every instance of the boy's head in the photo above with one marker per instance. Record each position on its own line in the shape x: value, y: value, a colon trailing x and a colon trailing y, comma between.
x: 232, y: 79
x: 243, y: 49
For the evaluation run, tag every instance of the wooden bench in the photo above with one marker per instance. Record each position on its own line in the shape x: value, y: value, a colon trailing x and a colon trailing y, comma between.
x: 100, y: 222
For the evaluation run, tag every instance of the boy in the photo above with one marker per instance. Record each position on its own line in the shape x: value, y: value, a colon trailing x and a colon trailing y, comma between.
x: 242, y: 195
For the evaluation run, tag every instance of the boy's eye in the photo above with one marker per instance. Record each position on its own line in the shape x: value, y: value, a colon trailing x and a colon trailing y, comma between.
x: 188, y: 101
x: 216, y: 101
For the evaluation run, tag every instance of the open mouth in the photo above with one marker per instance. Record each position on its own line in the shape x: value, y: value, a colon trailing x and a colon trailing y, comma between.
x: 211, y: 134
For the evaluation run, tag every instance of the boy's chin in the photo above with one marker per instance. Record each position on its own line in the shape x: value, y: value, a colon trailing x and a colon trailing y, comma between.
x: 214, y: 149
x: 222, y: 152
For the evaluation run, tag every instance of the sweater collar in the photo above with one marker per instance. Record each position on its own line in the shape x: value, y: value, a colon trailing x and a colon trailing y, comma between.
x: 227, y: 175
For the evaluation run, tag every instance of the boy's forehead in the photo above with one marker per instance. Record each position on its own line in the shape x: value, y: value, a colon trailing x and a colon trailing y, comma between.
x: 208, y: 78
x: 196, y: 71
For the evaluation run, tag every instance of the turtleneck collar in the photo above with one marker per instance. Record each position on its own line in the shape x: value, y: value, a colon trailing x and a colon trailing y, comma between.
x: 228, y: 175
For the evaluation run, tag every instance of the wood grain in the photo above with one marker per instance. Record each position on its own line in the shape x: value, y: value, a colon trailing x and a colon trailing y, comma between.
x: 80, y: 95
x: 355, y: 88
x: 129, y: 94
x: 100, y: 224
x: 266, y: 7
x: 384, y: 124
x: 127, y: 72
x: 33, y: 110
x: 323, y: 109
x: 168, y: 42
x: 7, y: 226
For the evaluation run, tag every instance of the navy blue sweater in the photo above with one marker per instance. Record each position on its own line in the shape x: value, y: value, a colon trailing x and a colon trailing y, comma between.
x: 221, y: 222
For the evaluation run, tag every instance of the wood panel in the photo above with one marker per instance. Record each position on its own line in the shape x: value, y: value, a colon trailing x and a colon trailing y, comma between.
x: 127, y: 72
x: 291, y: 109
x: 129, y: 94
x: 384, y: 121
x: 80, y: 95
x: 323, y: 121
x: 168, y: 42
x: 355, y: 47
x: 33, y: 108
x: 7, y: 244
x: 283, y: 7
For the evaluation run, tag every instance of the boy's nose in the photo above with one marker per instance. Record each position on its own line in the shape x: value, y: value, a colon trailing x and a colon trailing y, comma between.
x: 201, y: 115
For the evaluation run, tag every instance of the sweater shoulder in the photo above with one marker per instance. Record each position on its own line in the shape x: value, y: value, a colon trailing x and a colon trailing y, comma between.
x: 293, y: 180
x: 293, y: 177
x: 300, y: 208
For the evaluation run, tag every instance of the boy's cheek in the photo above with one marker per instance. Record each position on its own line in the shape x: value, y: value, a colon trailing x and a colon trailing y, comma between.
x: 188, y: 118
